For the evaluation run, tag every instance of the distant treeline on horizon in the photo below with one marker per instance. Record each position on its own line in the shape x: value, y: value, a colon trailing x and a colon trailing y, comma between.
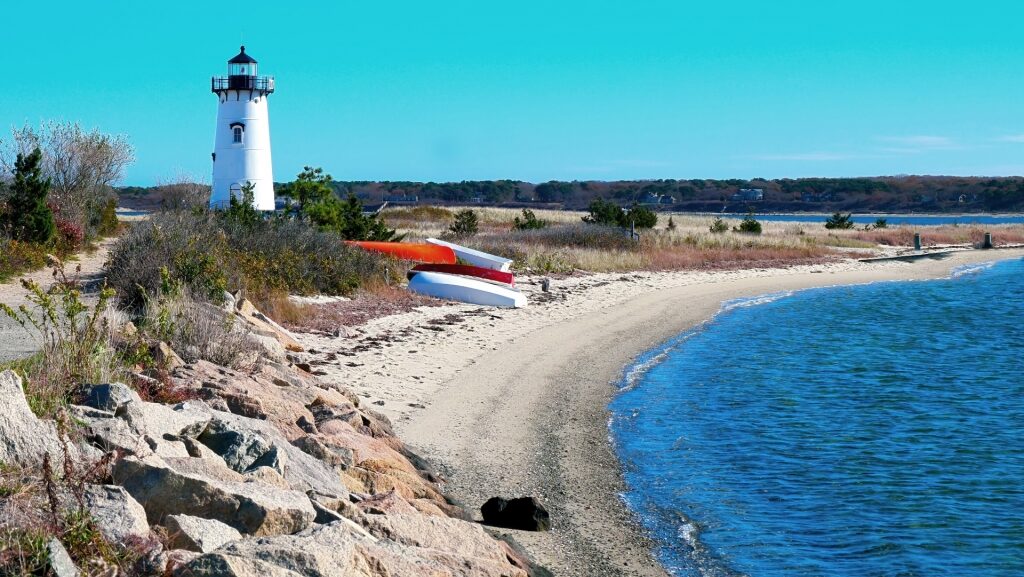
x: 880, y: 194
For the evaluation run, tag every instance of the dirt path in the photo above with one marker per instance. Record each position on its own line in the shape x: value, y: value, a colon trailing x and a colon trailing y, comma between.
x: 16, y: 342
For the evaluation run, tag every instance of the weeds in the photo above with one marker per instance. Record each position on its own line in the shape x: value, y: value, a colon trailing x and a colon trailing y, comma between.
x: 74, y: 340
x: 197, y: 329
x: 39, y: 505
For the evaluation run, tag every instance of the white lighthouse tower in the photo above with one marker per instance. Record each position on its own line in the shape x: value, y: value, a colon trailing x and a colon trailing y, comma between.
x: 242, y: 150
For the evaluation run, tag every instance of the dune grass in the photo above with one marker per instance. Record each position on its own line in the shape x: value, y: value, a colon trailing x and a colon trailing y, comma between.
x: 567, y: 244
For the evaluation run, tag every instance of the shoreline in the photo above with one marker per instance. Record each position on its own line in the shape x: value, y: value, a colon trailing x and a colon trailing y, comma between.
x: 514, y: 403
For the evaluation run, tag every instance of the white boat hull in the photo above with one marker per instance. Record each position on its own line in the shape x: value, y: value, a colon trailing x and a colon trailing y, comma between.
x: 466, y: 290
x: 476, y: 257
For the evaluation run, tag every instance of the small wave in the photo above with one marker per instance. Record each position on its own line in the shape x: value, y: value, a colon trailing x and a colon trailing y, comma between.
x: 755, y: 301
x: 971, y: 269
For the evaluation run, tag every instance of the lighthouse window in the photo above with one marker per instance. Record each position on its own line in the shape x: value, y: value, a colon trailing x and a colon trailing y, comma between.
x: 237, y: 134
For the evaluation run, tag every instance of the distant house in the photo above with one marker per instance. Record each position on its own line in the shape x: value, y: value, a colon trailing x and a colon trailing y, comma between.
x: 748, y: 195
x: 651, y: 198
x: 402, y: 199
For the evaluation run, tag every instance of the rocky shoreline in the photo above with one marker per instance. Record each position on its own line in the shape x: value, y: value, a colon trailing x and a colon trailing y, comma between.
x: 268, y: 472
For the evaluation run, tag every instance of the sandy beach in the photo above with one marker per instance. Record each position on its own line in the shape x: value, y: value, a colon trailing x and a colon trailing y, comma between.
x: 514, y: 403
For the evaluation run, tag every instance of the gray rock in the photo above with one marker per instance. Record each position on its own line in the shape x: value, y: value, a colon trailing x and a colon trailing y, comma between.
x: 84, y: 412
x: 116, y: 514
x: 198, y: 534
x: 188, y: 419
x: 112, y: 397
x: 109, y: 434
x: 302, y: 471
x: 218, y: 565
x: 119, y: 399
x: 60, y: 561
x: 341, y: 457
x: 24, y: 439
x: 275, y: 459
x: 239, y: 446
x: 252, y: 508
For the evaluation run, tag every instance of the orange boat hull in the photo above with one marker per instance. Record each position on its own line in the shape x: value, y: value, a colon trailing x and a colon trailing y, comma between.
x: 416, y: 252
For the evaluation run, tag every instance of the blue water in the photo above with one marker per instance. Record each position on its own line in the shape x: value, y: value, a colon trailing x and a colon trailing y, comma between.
x: 896, y: 219
x: 875, y: 430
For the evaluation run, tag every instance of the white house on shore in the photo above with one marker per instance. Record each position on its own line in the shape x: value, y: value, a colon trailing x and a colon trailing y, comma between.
x: 242, y: 144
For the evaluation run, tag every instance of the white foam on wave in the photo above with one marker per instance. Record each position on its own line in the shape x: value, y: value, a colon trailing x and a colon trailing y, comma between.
x: 755, y: 301
x: 971, y: 269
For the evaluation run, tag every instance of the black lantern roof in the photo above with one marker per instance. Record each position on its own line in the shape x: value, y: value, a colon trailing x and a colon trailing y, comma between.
x: 242, y: 58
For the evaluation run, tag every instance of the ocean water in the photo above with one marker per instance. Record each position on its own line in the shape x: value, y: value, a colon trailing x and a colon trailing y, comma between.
x: 873, y: 430
x: 896, y: 219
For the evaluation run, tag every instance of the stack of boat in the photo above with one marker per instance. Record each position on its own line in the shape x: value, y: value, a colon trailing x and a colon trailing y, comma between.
x: 484, y: 279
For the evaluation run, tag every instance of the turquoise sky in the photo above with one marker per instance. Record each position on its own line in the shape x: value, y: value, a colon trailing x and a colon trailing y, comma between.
x: 541, y: 90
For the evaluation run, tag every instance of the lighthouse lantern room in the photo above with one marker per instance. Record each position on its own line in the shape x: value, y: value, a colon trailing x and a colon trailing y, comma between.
x: 242, y: 143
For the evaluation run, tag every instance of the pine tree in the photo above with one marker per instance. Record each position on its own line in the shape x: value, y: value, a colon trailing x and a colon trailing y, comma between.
x: 28, y: 218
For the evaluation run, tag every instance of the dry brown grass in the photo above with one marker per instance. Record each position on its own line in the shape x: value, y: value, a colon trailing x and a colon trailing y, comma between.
x: 944, y: 235
x: 361, y: 308
x: 564, y: 246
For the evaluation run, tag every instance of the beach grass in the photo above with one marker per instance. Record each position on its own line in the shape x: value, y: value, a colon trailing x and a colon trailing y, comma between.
x: 567, y: 244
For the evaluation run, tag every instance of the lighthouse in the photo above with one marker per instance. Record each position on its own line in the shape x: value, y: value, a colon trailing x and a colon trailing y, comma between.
x: 242, y: 144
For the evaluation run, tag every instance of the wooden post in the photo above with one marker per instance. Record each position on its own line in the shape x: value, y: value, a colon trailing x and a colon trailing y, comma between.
x: 917, y: 241
x: 988, y: 240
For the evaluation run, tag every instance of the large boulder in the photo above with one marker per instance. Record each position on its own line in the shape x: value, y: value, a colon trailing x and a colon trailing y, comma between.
x: 24, y: 439
x: 330, y: 453
x: 443, y: 547
x: 247, y: 444
x: 198, y: 534
x: 252, y: 508
x: 240, y: 447
x: 219, y: 565
x: 524, y: 513
x: 112, y: 397
x: 116, y: 514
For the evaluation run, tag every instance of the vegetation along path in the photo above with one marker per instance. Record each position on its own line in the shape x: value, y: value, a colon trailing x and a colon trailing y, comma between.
x: 16, y: 342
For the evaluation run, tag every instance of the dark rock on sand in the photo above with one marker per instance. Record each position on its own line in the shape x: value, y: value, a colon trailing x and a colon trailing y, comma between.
x: 524, y: 513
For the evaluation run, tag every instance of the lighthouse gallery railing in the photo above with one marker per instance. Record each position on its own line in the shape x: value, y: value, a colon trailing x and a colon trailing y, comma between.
x: 221, y: 83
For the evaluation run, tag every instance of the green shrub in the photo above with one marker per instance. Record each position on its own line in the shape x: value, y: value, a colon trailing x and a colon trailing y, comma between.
x: 718, y: 226
x: 27, y: 217
x: 749, y: 225
x: 465, y: 225
x: 639, y: 216
x: 610, y: 214
x: 881, y: 223
x: 528, y: 222
x: 839, y: 221
x: 316, y: 202
x: 108, y: 218
x: 604, y: 212
x: 209, y: 254
x: 17, y: 257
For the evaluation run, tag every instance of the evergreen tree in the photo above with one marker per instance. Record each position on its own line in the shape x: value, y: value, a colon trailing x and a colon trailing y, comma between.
x: 465, y: 224
x: 28, y: 218
x: 310, y: 187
